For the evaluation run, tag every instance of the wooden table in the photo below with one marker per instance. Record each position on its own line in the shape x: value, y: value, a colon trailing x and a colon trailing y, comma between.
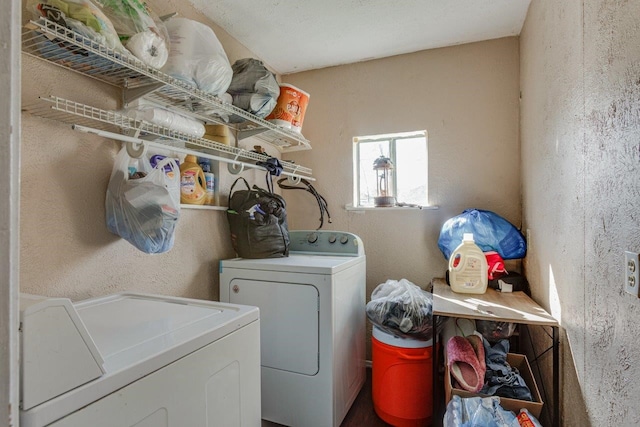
x: 513, y: 307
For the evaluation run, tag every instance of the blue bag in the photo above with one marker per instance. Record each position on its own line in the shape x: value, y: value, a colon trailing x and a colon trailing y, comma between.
x: 490, y: 231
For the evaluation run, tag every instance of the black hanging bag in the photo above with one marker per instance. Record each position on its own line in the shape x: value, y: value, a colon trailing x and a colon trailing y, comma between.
x: 258, y: 222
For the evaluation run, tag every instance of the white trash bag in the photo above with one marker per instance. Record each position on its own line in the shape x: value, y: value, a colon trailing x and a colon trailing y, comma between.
x: 197, y: 56
x: 144, y: 211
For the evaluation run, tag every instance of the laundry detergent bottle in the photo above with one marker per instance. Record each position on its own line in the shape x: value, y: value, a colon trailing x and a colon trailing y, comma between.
x: 468, y: 268
x: 192, y: 182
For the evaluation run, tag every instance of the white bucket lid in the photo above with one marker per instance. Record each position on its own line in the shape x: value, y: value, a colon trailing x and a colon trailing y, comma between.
x: 395, y: 341
x: 294, y: 88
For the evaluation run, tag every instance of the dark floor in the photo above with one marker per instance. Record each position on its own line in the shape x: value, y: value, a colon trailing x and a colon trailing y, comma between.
x: 361, y: 413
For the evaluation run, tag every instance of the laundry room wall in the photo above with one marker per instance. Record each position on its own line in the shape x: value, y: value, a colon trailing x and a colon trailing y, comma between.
x: 465, y: 97
x: 580, y: 118
x: 66, y: 249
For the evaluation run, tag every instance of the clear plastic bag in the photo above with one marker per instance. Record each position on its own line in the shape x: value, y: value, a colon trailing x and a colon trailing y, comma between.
x: 477, y: 411
x: 495, y: 331
x: 403, y: 309
x: 490, y: 232
x: 144, y: 211
x: 167, y: 118
x: 139, y: 29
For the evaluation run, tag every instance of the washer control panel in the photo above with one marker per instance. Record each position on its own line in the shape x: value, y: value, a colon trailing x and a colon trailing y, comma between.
x: 325, y: 242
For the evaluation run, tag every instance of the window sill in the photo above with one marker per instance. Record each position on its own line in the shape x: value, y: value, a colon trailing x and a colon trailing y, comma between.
x: 390, y: 208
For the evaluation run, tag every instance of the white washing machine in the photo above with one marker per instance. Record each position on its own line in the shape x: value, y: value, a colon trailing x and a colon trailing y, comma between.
x: 312, y: 314
x: 138, y: 360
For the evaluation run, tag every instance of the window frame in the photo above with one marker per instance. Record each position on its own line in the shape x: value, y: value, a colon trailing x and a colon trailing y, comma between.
x: 392, y: 138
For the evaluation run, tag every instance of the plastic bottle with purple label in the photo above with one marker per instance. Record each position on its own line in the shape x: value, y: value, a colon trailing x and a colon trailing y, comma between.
x: 209, y: 177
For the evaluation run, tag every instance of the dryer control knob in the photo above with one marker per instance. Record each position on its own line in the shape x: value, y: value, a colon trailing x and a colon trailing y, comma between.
x: 312, y: 238
x: 344, y: 240
x: 332, y: 238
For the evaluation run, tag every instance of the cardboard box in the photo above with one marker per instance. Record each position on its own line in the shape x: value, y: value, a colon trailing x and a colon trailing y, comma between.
x: 518, y: 361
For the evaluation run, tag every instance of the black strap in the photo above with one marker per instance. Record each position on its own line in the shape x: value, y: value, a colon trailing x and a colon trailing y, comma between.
x: 272, y: 165
x: 322, y: 203
x: 233, y: 186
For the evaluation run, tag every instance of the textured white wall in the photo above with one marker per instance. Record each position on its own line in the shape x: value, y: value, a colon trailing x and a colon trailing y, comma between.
x: 581, y: 161
x: 466, y: 97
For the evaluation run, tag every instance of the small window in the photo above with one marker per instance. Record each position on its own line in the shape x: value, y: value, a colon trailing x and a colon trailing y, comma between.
x: 390, y: 169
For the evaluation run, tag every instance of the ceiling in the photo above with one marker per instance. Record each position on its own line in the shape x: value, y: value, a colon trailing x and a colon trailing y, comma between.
x: 298, y: 35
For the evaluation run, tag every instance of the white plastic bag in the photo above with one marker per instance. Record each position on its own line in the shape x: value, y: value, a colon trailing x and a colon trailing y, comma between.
x: 139, y: 29
x: 197, y: 57
x: 144, y: 211
x: 169, y: 119
x: 477, y: 411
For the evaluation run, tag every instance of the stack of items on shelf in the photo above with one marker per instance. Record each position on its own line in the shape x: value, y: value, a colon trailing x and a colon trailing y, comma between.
x: 483, y: 381
x: 184, y: 49
x: 121, y: 42
x: 476, y: 243
x: 478, y: 364
x: 83, y: 17
x: 122, y: 25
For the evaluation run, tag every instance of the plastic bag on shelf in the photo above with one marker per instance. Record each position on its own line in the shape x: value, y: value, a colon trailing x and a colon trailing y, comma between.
x: 403, y: 309
x: 254, y: 88
x: 490, y: 231
x: 168, y: 119
x: 144, y: 211
x: 139, y: 29
x: 197, y: 57
x: 81, y: 16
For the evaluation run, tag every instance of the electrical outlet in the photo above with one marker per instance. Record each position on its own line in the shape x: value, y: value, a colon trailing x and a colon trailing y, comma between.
x: 631, y: 270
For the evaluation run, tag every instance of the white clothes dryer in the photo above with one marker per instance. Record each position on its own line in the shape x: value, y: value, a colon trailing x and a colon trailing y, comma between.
x: 138, y: 360
x: 312, y: 317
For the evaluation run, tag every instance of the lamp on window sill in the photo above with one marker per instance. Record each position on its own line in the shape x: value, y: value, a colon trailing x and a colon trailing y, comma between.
x: 384, y: 170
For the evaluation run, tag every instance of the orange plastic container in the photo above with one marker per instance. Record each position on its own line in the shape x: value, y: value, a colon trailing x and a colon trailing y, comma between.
x: 402, y: 380
x: 290, y: 107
